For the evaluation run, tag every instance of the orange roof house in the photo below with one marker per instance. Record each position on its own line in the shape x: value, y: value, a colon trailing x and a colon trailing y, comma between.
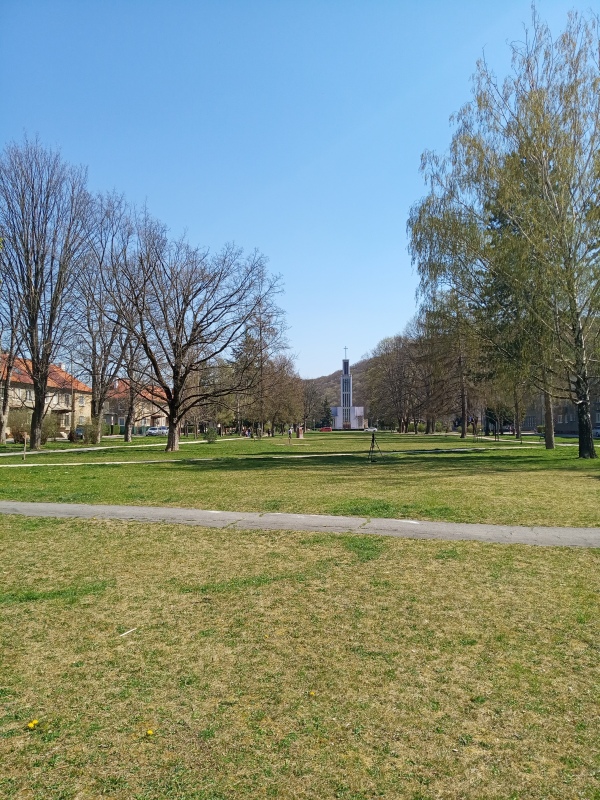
x: 64, y: 393
x: 145, y: 409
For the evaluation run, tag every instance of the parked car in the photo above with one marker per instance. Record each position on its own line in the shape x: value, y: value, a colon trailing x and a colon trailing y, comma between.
x: 153, y: 432
x: 370, y: 430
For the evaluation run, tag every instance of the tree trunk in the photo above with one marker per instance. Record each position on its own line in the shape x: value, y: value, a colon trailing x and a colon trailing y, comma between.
x: 463, y: 394
x: 130, y: 417
x: 36, y: 421
x: 517, y: 415
x: 96, y: 415
x: 128, y: 435
x: 96, y: 429
x: 463, y: 409
x: 173, y: 438
x: 581, y: 385
x: 548, y: 421
x: 582, y: 394
x: 5, y: 404
x: 4, y: 411
x: 584, y: 418
x: 586, y: 437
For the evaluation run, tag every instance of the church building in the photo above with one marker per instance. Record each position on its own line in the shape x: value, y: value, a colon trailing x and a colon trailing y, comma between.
x: 347, y: 417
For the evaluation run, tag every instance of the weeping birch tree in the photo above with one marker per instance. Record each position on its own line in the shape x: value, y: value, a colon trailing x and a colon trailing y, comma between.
x: 528, y: 148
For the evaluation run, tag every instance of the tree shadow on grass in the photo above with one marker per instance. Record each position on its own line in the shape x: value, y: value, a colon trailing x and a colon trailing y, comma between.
x: 463, y: 462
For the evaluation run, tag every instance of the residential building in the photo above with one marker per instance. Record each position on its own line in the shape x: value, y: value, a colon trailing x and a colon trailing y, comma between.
x: 146, y: 413
x: 65, y: 395
x: 566, y: 422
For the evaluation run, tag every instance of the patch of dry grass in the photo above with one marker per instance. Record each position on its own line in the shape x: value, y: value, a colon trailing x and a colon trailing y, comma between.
x: 293, y: 665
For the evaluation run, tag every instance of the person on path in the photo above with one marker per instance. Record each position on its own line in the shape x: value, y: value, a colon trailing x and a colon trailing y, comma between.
x: 290, y: 435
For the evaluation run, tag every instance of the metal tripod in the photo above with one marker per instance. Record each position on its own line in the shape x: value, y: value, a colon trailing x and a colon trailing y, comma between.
x: 372, y: 449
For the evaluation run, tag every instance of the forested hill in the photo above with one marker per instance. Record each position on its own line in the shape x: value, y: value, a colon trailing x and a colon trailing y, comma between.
x: 329, y: 385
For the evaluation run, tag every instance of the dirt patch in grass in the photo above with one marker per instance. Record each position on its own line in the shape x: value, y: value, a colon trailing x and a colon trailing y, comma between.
x: 221, y: 664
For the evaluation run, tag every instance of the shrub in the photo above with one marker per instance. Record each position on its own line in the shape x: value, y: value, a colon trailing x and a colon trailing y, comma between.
x: 19, y: 422
x: 50, y: 428
x: 210, y: 435
x: 88, y: 432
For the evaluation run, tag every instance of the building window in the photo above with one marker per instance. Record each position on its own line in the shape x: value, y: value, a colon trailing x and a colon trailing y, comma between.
x: 559, y: 419
x: 121, y: 421
x: 81, y: 420
x: 597, y: 416
x: 28, y: 394
x: 81, y: 400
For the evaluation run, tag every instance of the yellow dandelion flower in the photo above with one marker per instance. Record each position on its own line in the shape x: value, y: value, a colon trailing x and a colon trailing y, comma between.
x: 312, y: 694
x: 31, y: 725
x: 149, y: 733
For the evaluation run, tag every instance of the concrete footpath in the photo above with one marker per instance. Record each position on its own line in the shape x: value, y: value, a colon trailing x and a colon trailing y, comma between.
x: 405, y: 528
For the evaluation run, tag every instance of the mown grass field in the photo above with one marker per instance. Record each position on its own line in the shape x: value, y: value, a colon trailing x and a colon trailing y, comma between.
x: 419, y: 477
x: 293, y: 665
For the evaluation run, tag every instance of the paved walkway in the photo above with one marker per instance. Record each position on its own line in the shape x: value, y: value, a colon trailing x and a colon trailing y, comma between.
x: 506, y: 534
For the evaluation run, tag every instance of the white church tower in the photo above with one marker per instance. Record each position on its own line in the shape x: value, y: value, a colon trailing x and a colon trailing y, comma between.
x: 347, y: 417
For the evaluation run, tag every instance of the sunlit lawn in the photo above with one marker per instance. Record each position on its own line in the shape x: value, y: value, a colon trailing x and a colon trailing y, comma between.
x: 293, y: 666
x: 439, y: 478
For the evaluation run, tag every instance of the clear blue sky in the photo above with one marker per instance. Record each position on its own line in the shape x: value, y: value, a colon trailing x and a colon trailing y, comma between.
x: 292, y: 126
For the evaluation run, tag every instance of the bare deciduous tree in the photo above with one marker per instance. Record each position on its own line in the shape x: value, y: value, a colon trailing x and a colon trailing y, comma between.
x: 188, y: 310
x: 10, y: 314
x: 43, y: 216
x: 100, y: 341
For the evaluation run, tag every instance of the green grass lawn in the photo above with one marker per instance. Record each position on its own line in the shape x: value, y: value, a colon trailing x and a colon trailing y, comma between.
x: 293, y: 665
x: 419, y: 477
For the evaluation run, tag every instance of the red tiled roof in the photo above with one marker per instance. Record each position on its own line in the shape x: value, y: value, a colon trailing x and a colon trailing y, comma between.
x: 58, y: 378
x: 150, y: 393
